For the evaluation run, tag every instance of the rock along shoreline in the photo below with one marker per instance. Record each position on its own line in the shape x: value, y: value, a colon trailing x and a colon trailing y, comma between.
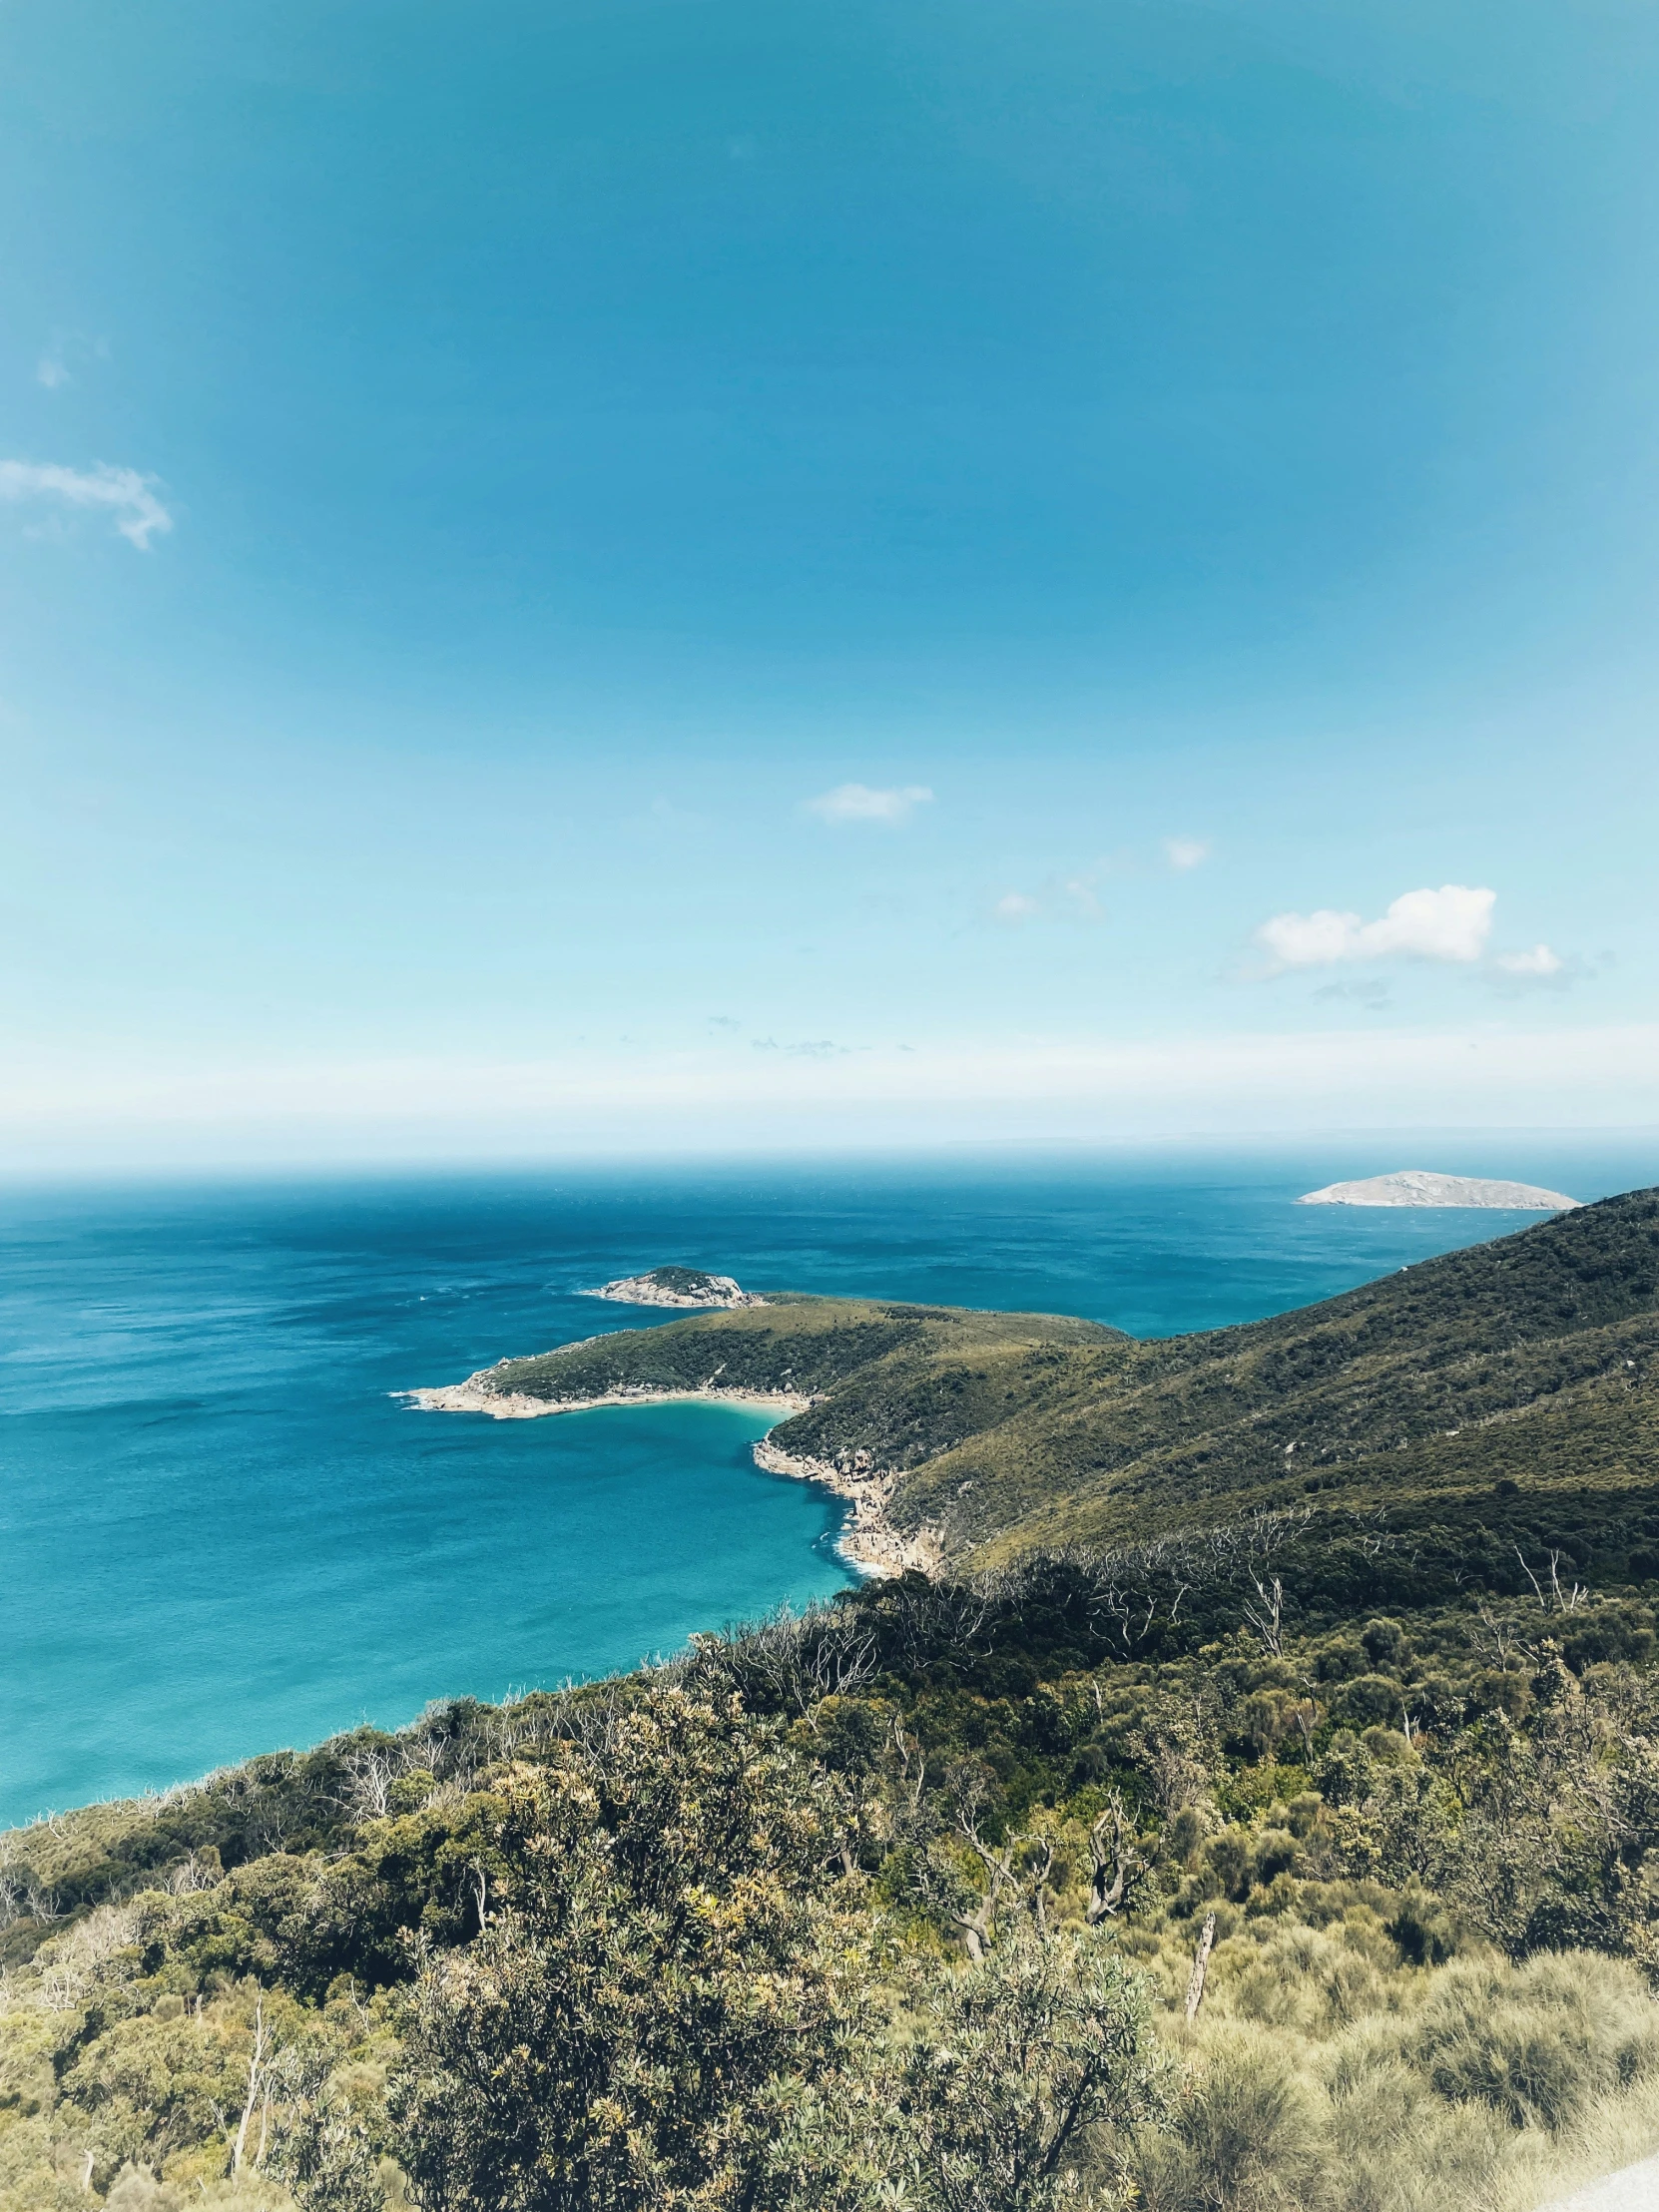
x: 867, y: 1540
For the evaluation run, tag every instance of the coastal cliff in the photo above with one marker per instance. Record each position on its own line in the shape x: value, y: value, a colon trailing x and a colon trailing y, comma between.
x: 868, y: 1540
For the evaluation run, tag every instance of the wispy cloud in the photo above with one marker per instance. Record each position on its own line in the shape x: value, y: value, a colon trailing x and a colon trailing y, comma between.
x: 1371, y: 993
x: 1185, y: 853
x: 863, y: 802
x: 125, y: 494
x: 1078, y: 897
x: 1452, y: 924
x: 1068, y: 899
x: 1540, y: 963
x: 53, y: 370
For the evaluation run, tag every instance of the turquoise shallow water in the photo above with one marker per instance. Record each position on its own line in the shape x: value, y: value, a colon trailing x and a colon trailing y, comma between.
x: 219, y: 1532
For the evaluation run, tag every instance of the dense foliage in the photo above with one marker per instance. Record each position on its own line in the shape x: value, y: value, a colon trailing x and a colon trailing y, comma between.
x: 667, y: 1970
x: 876, y: 1907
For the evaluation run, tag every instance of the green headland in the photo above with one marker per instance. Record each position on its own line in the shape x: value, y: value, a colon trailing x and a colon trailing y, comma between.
x: 1525, y: 1362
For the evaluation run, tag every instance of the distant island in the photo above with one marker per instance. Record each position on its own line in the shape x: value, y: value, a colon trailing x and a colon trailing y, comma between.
x: 692, y: 1288
x: 1420, y: 1187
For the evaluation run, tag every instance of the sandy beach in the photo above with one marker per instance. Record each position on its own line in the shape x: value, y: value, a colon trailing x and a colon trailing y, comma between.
x: 471, y: 1397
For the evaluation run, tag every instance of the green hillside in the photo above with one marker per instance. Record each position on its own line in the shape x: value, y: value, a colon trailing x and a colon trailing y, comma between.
x: 1527, y: 1362
x: 1261, y: 1810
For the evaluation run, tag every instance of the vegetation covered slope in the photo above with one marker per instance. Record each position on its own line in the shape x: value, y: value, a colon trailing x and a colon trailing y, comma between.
x: 1527, y: 1361
x: 843, y: 1347
x: 896, y: 1904
x: 1299, y: 1848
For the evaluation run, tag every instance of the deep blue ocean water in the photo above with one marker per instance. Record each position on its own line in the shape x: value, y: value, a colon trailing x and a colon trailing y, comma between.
x: 220, y: 1531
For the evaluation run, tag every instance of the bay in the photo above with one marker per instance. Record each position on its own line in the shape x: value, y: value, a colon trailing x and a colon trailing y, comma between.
x: 221, y: 1531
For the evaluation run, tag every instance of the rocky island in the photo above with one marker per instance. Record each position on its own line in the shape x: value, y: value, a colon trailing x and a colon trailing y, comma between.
x: 1420, y: 1187
x: 691, y: 1287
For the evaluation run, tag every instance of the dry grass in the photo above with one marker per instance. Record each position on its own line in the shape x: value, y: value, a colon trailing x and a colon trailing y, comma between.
x: 1320, y: 2077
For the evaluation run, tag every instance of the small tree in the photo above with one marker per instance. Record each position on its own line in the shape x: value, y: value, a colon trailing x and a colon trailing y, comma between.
x: 1017, y: 2058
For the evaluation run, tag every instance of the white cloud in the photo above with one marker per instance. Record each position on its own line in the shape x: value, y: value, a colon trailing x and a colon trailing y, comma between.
x: 1452, y: 924
x: 51, y: 370
x: 1540, y: 961
x: 1014, y: 907
x: 1185, y: 853
x: 859, y: 803
x: 138, y: 513
x: 1310, y: 940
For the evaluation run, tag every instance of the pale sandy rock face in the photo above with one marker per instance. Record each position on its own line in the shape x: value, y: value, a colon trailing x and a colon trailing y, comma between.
x: 688, y: 1287
x: 1420, y: 1187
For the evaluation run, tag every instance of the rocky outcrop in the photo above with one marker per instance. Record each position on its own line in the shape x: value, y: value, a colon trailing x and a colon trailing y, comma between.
x: 691, y: 1288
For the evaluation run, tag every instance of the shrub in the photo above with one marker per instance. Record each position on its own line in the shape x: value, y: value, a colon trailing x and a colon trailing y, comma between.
x: 1536, y: 2043
x: 621, y: 2034
x: 1386, y: 1643
x: 1019, y: 2058
x: 1305, y: 1977
x: 1246, y: 2136
x: 1369, y: 1701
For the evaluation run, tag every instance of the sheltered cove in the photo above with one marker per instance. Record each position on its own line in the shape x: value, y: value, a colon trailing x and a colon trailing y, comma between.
x: 867, y: 1540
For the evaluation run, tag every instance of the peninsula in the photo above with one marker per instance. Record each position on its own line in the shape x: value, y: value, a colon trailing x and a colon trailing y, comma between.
x: 1420, y: 1187
x: 964, y: 1439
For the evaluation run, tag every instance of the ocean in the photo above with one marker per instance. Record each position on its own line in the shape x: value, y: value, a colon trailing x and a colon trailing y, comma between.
x: 222, y: 1531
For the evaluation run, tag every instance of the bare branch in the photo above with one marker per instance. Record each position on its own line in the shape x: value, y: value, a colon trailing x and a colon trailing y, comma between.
x: 1200, y: 1967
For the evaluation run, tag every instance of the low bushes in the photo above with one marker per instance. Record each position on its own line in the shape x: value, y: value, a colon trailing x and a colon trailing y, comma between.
x: 894, y: 1904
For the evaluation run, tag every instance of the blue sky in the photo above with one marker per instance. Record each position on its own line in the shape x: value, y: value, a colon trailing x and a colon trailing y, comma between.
x: 632, y: 576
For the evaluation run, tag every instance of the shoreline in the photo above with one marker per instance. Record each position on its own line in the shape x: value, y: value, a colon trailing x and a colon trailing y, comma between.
x: 867, y: 1541
x: 470, y: 1397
